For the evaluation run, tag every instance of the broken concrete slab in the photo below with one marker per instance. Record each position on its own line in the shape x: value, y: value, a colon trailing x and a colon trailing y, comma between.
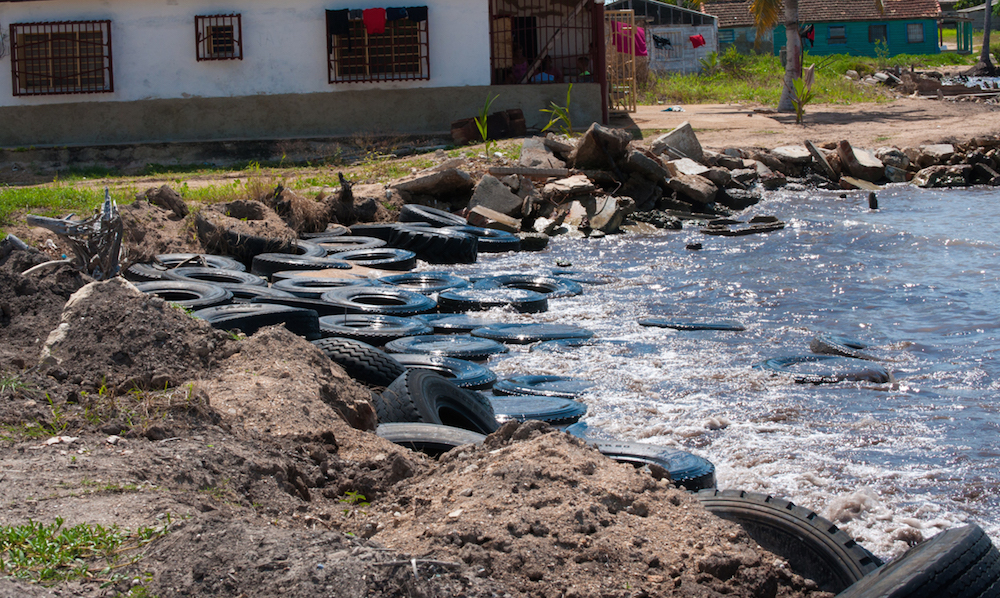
x: 682, y: 140
x: 487, y: 218
x: 819, y: 157
x: 697, y: 188
x: 935, y: 154
x: 685, y: 166
x: 860, y: 163
x: 850, y: 183
x: 720, y: 176
x: 536, y: 154
x: 640, y: 163
x: 942, y: 175
x: 793, y: 154
x: 450, y: 181
x: 493, y: 194
x: 600, y: 148
x: 729, y: 162
x: 610, y: 212
x: 895, y: 175
x: 983, y: 174
x: 577, y: 184
x: 891, y: 156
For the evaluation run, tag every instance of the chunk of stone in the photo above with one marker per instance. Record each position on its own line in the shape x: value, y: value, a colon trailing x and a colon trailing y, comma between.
x: 168, y: 199
x: 685, y: 166
x: 895, y: 175
x: 720, y: 176
x: 935, y: 154
x: 860, y: 163
x: 577, y: 184
x: 793, y: 154
x: 486, y: 218
x: 850, y: 183
x: 727, y: 161
x: 493, y: 194
x: 942, y: 175
x: 694, y: 187
x: 449, y: 181
x: 533, y: 241
x: 891, y: 156
x: 600, y: 147
x: 536, y: 154
x: 682, y: 140
x: 648, y: 167
x: 819, y: 156
x: 984, y: 174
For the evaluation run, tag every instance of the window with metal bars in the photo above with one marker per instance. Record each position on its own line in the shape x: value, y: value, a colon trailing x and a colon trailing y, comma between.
x: 61, y: 57
x: 400, y: 52
x: 219, y: 37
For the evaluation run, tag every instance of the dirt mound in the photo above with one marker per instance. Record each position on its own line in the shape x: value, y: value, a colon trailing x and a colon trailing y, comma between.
x: 243, y: 229
x: 555, y: 518
x: 301, y: 214
x: 150, y: 230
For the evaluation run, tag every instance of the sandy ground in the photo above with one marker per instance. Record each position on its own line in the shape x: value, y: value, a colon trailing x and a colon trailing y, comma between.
x: 905, y: 122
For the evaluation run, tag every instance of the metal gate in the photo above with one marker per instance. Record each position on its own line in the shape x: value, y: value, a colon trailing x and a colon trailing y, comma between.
x: 619, y: 42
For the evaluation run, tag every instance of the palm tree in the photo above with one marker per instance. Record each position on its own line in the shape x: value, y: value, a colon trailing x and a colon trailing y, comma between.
x: 985, y: 68
x: 765, y: 15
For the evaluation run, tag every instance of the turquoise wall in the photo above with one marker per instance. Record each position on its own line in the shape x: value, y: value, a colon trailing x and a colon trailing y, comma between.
x: 857, y: 43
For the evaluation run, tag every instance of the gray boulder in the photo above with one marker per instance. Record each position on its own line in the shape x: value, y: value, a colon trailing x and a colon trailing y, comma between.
x: 493, y: 194
x: 697, y: 188
x: 682, y: 140
x: 860, y: 163
x: 943, y: 175
x: 600, y: 148
x: 535, y: 153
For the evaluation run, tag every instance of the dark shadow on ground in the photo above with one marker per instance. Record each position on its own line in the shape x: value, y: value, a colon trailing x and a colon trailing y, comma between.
x: 623, y: 120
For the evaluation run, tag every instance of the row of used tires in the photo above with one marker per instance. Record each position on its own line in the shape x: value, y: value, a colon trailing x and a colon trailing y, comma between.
x: 431, y: 393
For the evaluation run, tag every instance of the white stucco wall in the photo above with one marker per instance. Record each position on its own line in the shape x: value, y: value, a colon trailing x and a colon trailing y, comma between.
x: 284, y: 47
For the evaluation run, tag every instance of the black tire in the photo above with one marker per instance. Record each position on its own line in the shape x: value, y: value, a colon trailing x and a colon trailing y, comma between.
x: 361, y: 361
x: 960, y: 562
x: 453, y: 323
x: 266, y: 264
x: 813, y: 546
x: 827, y: 369
x: 379, y: 300
x: 384, y: 258
x: 531, y: 333
x: 828, y: 344
x: 423, y: 396
x: 436, y: 245
x: 332, y: 230
x: 216, y: 276
x: 690, y: 325
x: 553, y: 410
x: 684, y: 469
x: 545, y: 386
x: 462, y: 300
x: 433, y: 439
x: 426, y: 282
x: 313, y: 287
x: 584, y: 277
x: 251, y: 317
x: 349, y: 243
x: 187, y: 294
x: 418, y: 213
x: 550, y: 286
x: 459, y: 346
x: 462, y: 373
x: 374, y: 329
x: 323, y: 308
x: 308, y: 249
x: 163, y: 263
x: 246, y: 293
x: 491, y: 240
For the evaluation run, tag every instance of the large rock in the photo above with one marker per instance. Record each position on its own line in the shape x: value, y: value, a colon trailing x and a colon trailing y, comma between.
x: 685, y: 166
x: 449, y: 181
x: 720, y: 176
x: 639, y: 162
x: 697, y: 188
x: 819, y: 156
x: 487, y: 218
x: 682, y: 140
x: 605, y: 213
x: 860, y: 163
x: 891, y: 156
x: 984, y: 174
x: 168, y: 199
x: 577, y: 184
x: 792, y: 154
x: 535, y: 153
x: 935, y: 154
x: 895, y: 175
x: 600, y: 148
x: 643, y: 191
x: 493, y: 194
x: 771, y: 161
x: 727, y: 161
x: 944, y: 176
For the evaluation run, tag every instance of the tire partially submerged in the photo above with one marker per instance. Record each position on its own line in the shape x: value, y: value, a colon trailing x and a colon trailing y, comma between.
x: 491, y: 240
x: 379, y: 300
x: 432, y: 439
x: 248, y: 318
x: 692, y: 325
x: 828, y: 344
x: 550, y: 286
x: 374, y: 329
x: 531, y: 332
x: 462, y: 300
x: 547, y: 386
x: 459, y: 346
x: 684, y: 469
x: 216, y: 276
x: 423, y: 396
x: 417, y: 213
x: 436, y: 245
x: 266, y: 264
x: 425, y: 282
x: 462, y: 373
x: 827, y: 369
x: 553, y: 410
x: 814, y: 547
x: 385, y: 258
x: 453, y: 323
x: 313, y: 287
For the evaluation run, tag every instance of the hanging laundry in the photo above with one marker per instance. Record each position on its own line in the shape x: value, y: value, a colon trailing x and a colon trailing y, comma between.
x: 374, y: 19
x: 661, y: 43
x: 395, y: 14
x: 809, y: 33
x: 697, y: 41
x: 416, y: 13
x: 355, y: 14
x: 337, y: 24
x: 621, y: 40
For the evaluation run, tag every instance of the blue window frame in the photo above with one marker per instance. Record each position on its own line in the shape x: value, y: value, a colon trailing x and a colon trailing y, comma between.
x: 836, y: 34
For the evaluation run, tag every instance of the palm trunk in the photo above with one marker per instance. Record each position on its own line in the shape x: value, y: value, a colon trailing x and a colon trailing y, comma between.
x: 793, y: 56
x: 985, y: 56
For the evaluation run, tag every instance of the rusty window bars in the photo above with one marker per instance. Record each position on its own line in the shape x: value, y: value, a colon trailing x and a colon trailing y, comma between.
x: 65, y: 57
x: 523, y: 32
x: 219, y: 37
x: 400, y: 53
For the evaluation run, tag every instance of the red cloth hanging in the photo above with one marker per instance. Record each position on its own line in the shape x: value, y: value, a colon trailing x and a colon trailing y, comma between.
x: 374, y: 19
x: 620, y: 38
x: 697, y: 41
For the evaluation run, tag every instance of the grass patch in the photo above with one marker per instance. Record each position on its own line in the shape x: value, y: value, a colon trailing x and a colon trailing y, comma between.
x: 52, y: 553
x: 55, y: 200
x: 739, y: 78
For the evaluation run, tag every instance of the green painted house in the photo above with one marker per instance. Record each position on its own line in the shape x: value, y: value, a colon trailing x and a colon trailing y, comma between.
x: 839, y: 26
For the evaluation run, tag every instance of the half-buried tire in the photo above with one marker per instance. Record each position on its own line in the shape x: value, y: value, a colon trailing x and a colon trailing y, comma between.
x: 374, y: 329
x: 960, y: 562
x: 682, y: 468
x: 827, y: 369
x: 462, y: 373
x: 828, y: 344
x: 361, y: 361
x: 424, y: 396
x: 813, y: 546
x: 547, y: 386
x: 552, y: 410
x: 251, y: 317
x: 436, y: 245
x: 433, y: 439
x: 187, y: 294
x: 418, y: 213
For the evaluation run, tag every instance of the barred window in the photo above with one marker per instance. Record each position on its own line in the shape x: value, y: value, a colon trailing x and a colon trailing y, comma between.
x: 398, y: 53
x: 61, y: 57
x: 877, y: 33
x: 915, y: 33
x: 837, y: 34
x: 219, y: 37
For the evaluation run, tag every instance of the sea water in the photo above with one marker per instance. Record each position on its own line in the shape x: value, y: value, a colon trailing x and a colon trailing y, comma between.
x: 917, y: 280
